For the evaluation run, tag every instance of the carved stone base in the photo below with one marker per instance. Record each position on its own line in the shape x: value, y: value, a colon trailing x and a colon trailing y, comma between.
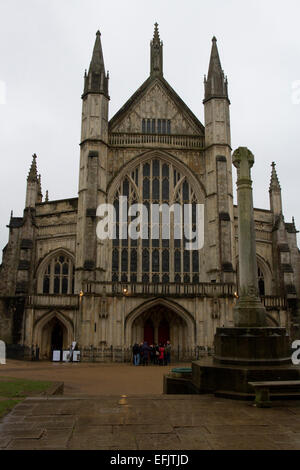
x: 231, y: 381
x: 252, y: 346
x: 249, y: 312
x: 244, y: 355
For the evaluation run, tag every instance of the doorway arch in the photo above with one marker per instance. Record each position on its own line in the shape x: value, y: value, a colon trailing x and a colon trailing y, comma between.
x: 53, y: 331
x: 170, y: 322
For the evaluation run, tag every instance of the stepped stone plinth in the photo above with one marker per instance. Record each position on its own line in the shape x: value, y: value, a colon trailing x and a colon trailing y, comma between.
x: 252, y: 346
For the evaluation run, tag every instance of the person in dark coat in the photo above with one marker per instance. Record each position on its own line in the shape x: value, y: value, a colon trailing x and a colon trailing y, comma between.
x: 167, y: 354
x: 145, y: 353
x: 32, y: 353
x: 37, y: 353
x: 156, y: 354
x: 136, y: 354
x: 152, y: 354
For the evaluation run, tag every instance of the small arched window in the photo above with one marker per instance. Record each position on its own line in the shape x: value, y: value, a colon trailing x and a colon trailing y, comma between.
x: 58, y: 276
x: 261, y: 282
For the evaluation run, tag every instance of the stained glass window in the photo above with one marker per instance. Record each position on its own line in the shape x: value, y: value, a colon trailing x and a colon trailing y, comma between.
x: 163, y: 257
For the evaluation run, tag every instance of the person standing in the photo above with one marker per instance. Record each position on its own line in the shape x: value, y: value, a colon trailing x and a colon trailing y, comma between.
x: 156, y: 354
x: 168, y: 353
x: 145, y: 353
x: 136, y: 354
x: 152, y: 354
x: 161, y: 355
x: 32, y: 353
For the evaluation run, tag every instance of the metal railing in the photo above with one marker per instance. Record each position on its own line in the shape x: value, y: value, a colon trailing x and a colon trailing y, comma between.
x: 114, y: 354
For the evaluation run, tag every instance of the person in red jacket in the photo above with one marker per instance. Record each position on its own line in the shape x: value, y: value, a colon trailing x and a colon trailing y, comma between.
x: 161, y: 354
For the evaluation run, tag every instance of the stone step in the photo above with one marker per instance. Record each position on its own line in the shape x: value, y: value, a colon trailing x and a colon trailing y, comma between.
x: 251, y: 396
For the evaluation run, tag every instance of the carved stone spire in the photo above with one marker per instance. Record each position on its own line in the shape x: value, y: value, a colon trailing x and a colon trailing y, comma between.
x: 274, y: 183
x: 156, y: 45
x: 96, y: 81
x: 32, y: 175
x: 216, y: 85
x: 40, y: 194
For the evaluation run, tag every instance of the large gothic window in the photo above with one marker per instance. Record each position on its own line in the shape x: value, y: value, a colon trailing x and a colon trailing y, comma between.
x: 58, y: 276
x: 161, y: 259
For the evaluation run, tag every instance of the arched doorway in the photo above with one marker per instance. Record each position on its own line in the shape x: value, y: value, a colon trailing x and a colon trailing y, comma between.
x: 163, y: 331
x: 53, y: 330
x: 149, y: 332
x: 159, y: 324
x: 54, y: 337
x: 57, y: 335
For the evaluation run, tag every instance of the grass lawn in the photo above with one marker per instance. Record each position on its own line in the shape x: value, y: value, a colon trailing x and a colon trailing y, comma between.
x: 7, y: 405
x: 12, y: 391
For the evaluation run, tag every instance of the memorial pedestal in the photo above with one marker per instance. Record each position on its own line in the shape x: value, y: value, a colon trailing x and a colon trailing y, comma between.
x: 244, y: 355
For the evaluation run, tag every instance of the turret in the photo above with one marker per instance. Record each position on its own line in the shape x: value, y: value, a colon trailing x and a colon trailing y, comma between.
x: 96, y: 81
x: 90, y: 258
x: 39, y: 194
x: 275, y: 193
x: 95, y: 97
x: 216, y: 85
x: 156, y: 54
x: 219, y: 202
x: 33, y: 185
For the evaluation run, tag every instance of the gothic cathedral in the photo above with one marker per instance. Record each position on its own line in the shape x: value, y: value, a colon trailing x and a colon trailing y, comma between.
x: 60, y: 282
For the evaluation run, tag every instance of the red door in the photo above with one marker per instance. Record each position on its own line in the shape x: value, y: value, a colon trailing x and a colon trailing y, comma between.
x: 149, y: 332
x: 163, y: 332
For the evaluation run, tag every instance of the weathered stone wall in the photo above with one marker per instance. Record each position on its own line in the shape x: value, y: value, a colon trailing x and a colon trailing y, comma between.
x: 111, y: 320
x: 9, y: 263
x: 5, y: 321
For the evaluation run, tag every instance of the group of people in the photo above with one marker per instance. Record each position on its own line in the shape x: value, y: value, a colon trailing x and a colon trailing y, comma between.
x: 143, y: 354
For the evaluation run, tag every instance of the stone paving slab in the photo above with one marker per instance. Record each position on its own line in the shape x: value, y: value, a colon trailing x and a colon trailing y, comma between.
x: 150, y: 422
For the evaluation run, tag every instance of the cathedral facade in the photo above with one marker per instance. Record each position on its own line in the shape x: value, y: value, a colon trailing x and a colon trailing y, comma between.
x: 60, y: 282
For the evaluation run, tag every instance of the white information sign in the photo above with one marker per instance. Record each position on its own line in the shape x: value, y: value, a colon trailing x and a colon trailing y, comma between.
x: 76, y: 356
x: 56, y: 356
x: 66, y: 355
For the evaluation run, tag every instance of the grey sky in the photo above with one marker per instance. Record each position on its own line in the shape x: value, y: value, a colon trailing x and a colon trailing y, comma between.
x: 45, y: 45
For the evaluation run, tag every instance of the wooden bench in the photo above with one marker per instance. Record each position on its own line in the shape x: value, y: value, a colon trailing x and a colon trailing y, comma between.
x: 262, y: 390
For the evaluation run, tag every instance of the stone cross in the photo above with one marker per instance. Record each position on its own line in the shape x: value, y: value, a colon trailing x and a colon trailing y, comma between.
x: 249, y: 310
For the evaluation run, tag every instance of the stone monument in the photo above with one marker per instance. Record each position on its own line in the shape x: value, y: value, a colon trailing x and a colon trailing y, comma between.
x: 249, y: 351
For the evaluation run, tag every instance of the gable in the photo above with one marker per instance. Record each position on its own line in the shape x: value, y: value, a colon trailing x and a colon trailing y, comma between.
x: 155, y: 99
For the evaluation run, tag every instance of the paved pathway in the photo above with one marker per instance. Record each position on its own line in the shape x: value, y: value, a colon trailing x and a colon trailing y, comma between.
x: 149, y: 422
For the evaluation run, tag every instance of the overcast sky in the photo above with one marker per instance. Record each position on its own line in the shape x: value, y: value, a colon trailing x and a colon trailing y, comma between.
x: 45, y: 45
